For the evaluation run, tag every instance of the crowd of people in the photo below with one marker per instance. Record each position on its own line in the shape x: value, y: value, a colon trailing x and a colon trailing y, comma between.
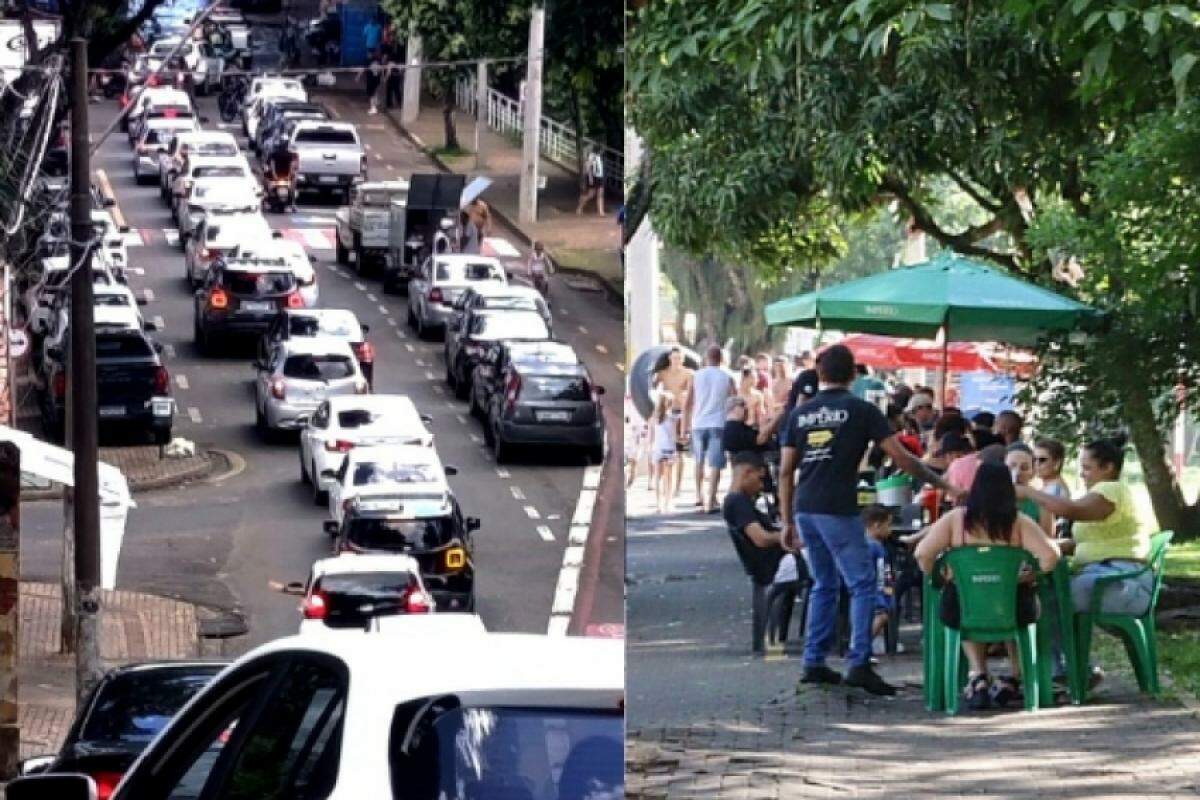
x: 804, y: 431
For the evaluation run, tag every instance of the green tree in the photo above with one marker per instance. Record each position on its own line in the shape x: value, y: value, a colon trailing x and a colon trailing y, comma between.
x: 757, y: 113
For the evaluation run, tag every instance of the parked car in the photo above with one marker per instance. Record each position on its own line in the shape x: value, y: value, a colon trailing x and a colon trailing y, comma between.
x: 540, y: 394
x: 241, y: 297
x: 298, y: 376
x: 378, y: 714
x: 467, y: 341
x: 337, y: 323
x: 331, y: 156
x: 121, y: 715
x: 440, y: 281
x: 342, y: 423
x: 509, y: 297
x: 352, y: 591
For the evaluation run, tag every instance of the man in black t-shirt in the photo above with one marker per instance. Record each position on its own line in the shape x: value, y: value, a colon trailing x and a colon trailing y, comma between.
x: 757, y: 545
x: 823, y: 444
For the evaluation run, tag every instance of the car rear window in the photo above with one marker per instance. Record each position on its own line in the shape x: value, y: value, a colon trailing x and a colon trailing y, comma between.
x: 112, y: 300
x: 374, y: 533
x: 219, y: 172
x: 366, y: 586
x: 326, y: 136
x: 510, y: 303
x: 256, y: 283
x: 134, y: 707
x: 374, y: 472
x: 541, y: 387
x: 356, y: 418
x: 122, y: 347
x: 510, y: 326
x: 470, y: 271
x: 337, y: 325
x: 214, y: 149
x: 152, y: 137
x: 438, y: 748
x: 318, y: 367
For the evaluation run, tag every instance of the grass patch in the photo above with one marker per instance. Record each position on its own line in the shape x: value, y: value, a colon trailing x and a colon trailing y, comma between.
x: 1179, y: 654
x: 452, y: 152
x: 604, y: 263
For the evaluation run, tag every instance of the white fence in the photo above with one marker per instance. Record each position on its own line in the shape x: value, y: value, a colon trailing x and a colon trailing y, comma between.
x: 558, y: 141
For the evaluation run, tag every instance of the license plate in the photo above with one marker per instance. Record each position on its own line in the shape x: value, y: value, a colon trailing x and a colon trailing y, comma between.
x: 256, y: 305
x: 160, y: 408
x: 112, y: 411
x: 552, y: 416
x: 329, y: 179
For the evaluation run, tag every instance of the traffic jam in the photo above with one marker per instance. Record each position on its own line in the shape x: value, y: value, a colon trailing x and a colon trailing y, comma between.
x: 265, y: 278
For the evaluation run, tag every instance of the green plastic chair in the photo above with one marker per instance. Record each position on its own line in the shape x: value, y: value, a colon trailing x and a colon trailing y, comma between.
x: 933, y: 642
x: 1138, y: 634
x: 986, y: 577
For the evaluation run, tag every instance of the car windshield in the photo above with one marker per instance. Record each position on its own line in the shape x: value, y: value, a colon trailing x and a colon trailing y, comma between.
x: 439, y: 749
x: 541, y: 387
x: 219, y: 172
x: 357, y: 417
x: 132, y: 708
x: 326, y: 136
x: 379, y: 197
x: 152, y: 137
x: 510, y: 326
x: 366, y: 586
x: 256, y: 283
x: 374, y: 533
x: 472, y: 271
x: 122, y: 347
x: 394, y: 471
x: 318, y: 367
x: 214, y: 149
x: 510, y: 303
x: 112, y: 300
x: 338, y: 325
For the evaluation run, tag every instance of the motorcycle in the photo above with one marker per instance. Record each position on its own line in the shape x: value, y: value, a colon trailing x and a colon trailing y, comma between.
x: 232, y: 97
x: 280, y: 195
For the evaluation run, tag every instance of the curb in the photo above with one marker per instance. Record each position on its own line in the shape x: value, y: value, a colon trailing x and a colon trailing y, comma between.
x: 614, y: 293
x: 206, y: 466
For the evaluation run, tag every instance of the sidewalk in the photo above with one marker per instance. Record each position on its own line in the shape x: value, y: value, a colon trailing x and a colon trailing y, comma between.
x: 144, y: 468
x: 133, y: 627
x: 708, y: 720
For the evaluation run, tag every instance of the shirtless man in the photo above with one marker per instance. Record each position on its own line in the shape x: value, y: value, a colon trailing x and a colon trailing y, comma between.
x: 676, y: 378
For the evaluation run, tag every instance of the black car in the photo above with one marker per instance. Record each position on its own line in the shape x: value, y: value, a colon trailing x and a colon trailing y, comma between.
x: 123, y: 713
x: 242, y: 297
x: 468, y: 339
x: 277, y: 113
x: 133, y: 387
x: 440, y: 543
x: 537, y: 393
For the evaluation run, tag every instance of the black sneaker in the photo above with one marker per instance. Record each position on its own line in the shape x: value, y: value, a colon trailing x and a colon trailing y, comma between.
x: 864, y: 677
x: 1005, y: 689
x: 977, y: 695
x: 821, y: 674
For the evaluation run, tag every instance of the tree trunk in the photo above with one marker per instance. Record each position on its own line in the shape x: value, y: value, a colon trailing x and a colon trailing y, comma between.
x: 1170, y: 509
x: 448, y: 121
x: 577, y: 118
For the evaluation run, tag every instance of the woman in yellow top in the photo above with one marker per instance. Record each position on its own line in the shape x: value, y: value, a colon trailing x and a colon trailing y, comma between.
x: 1106, y: 535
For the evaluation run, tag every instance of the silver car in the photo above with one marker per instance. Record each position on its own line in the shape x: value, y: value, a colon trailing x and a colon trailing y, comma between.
x: 298, y: 375
x: 440, y: 281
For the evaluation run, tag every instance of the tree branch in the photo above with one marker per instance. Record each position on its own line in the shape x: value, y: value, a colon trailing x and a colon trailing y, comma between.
x: 102, y: 44
x: 975, y: 194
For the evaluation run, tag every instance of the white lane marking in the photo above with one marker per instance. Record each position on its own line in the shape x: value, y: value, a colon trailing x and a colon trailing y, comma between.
x: 194, y: 414
x: 532, y: 512
x: 407, y: 346
x: 171, y: 235
x: 148, y: 294
x: 169, y: 350
x: 545, y: 532
x: 229, y: 126
x: 159, y: 322
x: 331, y: 268
x: 517, y: 493
x: 450, y: 404
x: 620, y: 367
x: 568, y: 576
x: 378, y: 157
x: 383, y: 310
x: 477, y: 439
x: 583, y: 330
x: 367, y: 146
x: 501, y: 472
x: 392, y: 321
x: 601, y: 349
x: 362, y: 287
x: 438, y: 388
x: 461, y: 419
x: 316, y: 238
x: 562, y: 312
x: 182, y: 381
x: 372, y: 298
x: 429, y: 376
x: 342, y: 274
x: 421, y: 362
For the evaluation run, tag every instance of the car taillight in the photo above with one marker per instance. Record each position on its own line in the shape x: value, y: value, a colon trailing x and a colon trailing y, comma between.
x: 218, y: 299
x: 278, y: 388
x: 106, y: 783
x: 363, y: 164
x: 294, y: 300
x: 361, y: 387
x: 417, y: 602
x: 435, y: 295
x: 124, y: 100
x: 60, y: 385
x: 162, y: 381
x: 339, y: 446
x: 512, y: 390
x: 456, y: 558
x: 363, y: 351
x: 315, y: 606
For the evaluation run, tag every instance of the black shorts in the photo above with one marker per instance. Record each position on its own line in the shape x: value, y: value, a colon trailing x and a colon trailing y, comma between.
x: 1028, y: 608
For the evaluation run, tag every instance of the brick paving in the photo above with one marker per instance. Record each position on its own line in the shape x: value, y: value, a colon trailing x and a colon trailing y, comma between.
x: 144, y: 468
x: 133, y: 627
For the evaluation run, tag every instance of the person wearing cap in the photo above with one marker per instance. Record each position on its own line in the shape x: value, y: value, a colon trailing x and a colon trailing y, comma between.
x: 981, y: 429
x: 823, y: 443
x: 920, y: 406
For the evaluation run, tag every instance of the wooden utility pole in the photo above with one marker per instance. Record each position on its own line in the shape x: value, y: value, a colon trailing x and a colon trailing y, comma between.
x: 82, y: 395
x: 10, y: 576
x: 527, y: 207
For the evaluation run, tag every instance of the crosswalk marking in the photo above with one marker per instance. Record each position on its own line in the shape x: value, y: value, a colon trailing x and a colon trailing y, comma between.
x: 171, y: 235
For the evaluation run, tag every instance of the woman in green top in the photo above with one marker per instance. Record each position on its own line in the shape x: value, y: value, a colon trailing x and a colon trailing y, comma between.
x: 1107, y: 538
x: 1018, y: 457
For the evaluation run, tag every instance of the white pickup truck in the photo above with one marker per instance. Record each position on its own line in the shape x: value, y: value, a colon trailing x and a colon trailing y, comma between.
x: 331, y: 157
x: 364, y: 226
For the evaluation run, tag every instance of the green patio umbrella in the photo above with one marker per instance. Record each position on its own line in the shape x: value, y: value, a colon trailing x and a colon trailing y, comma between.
x: 970, y: 301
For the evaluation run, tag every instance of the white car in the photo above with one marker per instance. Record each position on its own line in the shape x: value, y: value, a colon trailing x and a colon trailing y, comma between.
x: 404, y: 471
x: 268, y: 86
x: 152, y: 141
x: 202, y: 144
x: 114, y: 307
x: 208, y: 186
x: 351, y: 591
x: 114, y: 251
x: 341, y: 424
x: 156, y: 102
x: 426, y: 709
x: 297, y: 376
x: 219, y: 232
x: 196, y: 166
x: 296, y: 259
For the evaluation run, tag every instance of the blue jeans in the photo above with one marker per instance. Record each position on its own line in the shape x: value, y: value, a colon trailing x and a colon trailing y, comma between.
x: 706, y: 447
x: 837, y: 545
x: 1130, y: 596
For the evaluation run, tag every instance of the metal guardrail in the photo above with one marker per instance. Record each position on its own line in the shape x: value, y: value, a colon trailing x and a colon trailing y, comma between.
x: 558, y: 142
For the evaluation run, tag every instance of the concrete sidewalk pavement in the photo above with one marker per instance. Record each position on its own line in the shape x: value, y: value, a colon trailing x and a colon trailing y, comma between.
x: 706, y: 719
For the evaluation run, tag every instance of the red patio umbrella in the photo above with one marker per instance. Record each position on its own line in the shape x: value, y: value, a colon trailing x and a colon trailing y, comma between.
x: 888, y: 352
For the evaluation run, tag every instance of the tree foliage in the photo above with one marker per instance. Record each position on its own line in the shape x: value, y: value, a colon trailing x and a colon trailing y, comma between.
x: 584, y: 73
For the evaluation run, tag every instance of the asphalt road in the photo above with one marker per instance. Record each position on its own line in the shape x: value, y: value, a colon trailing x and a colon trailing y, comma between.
x: 221, y: 543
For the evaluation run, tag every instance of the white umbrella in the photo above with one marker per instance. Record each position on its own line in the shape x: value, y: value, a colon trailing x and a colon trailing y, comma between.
x: 473, y: 189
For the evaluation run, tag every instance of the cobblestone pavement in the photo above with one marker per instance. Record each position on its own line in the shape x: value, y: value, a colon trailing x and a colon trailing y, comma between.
x: 145, y: 468
x: 707, y: 720
x: 133, y: 627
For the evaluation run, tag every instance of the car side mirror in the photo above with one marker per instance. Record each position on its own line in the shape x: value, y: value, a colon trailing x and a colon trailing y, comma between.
x: 34, y: 765
x: 198, y: 293
x: 54, y: 352
x: 141, y: 301
x: 330, y: 526
x: 472, y: 523
x: 124, y: 229
x: 276, y: 234
x: 204, y: 120
x: 328, y: 474
x: 109, y: 202
x: 450, y: 471
x: 293, y: 587
x: 428, y: 420
x: 303, y: 420
x: 63, y: 786
x: 365, y: 328
x: 598, y: 389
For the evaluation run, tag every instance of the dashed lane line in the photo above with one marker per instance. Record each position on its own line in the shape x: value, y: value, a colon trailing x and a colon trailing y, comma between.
x: 420, y: 362
x: 392, y: 321
x: 532, y: 512
x: 501, y: 472
x: 583, y: 330
x: 620, y: 367
x: 407, y: 346
x: 516, y: 492
x: 477, y: 439
x: 372, y: 298
x: 159, y: 322
x: 545, y: 532
x: 362, y: 287
x: 438, y: 389
x: 194, y: 415
x: 383, y: 310
x: 601, y: 349
x: 182, y: 381
x: 148, y: 293
x: 429, y: 376
x: 461, y: 419
x: 169, y: 350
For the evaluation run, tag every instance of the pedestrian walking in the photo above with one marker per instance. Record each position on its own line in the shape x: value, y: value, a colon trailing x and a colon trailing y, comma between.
x: 372, y: 35
x: 593, y: 182
x: 395, y: 78
x: 704, y: 416
x: 373, y: 76
x: 823, y: 442
x: 666, y: 434
x: 676, y: 377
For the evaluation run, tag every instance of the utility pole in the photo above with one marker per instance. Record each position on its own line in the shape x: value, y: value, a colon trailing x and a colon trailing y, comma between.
x: 82, y: 395
x: 481, y: 114
x: 527, y: 207
x: 410, y: 107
